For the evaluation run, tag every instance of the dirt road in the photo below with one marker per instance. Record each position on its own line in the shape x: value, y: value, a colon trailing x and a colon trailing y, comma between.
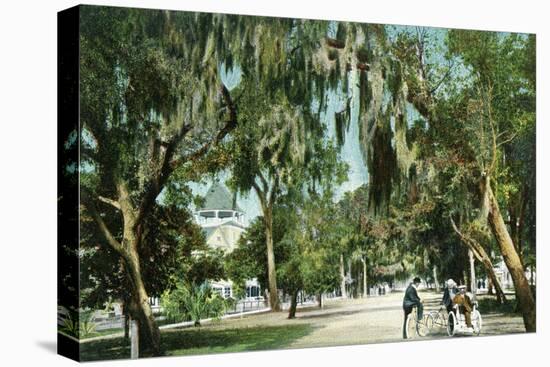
x: 362, y: 321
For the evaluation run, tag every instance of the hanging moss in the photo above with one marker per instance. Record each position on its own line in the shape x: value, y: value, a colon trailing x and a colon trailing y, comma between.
x: 363, y: 54
x: 342, y: 121
x: 219, y: 39
x: 341, y: 32
x: 334, y: 76
x: 395, y: 79
x: 365, y: 94
x: 382, y: 164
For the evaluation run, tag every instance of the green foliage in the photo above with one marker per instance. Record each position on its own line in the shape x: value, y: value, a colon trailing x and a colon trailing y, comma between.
x: 78, y: 324
x: 175, y: 248
x: 192, y: 341
x: 189, y: 301
x: 490, y: 305
x: 249, y: 259
x: 438, y: 111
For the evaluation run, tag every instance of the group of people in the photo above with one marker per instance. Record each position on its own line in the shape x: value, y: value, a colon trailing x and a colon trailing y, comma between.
x: 453, y: 295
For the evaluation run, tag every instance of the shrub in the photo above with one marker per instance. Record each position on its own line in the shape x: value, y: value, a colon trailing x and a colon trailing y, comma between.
x: 193, y: 302
x: 78, y: 323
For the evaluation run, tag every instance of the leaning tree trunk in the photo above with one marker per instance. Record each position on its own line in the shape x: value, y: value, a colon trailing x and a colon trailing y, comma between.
x: 128, y: 249
x: 149, y: 331
x: 490, y: 286
x: 512, y: 260
x: 342, y: 277
x: 293, y: 304
x: 480, y: 253
x: 271, y: 273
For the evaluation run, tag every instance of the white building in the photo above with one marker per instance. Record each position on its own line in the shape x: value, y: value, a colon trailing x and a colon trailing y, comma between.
x: 223, y: 223
x: 505, y: 278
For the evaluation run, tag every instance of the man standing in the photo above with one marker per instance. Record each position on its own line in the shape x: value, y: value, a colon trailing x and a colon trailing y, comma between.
x: 410, y: 300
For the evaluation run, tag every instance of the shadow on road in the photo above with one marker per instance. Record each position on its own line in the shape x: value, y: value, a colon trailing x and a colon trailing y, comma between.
x: 328, y: 314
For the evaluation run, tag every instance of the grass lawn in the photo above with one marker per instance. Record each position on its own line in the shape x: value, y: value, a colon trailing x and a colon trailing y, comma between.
x: 102, y: 333
x: 203, y: 341
x: 489, y: 304
x: 116, y: 330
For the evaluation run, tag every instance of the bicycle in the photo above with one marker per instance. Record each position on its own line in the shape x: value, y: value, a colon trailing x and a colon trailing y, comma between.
x: 439, y: 317
x: 457, y: 321
x: 415, y: 327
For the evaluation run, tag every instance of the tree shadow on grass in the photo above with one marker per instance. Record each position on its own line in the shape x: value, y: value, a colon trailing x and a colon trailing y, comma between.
x: 203, y: 341
x: 322, y: 315
x: 115, y: 348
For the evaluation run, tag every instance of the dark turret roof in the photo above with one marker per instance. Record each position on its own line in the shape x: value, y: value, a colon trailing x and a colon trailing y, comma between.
x: 219, y: 198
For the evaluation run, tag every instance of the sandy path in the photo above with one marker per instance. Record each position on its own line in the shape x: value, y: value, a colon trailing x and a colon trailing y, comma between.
x: 361, y: 321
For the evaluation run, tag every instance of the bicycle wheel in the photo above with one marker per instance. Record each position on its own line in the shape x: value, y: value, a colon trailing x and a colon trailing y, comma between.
x: 477, y: 322
x: 451, y: 324
x: 442, y: 319
x: 410, y: 329
x: 423, y: 327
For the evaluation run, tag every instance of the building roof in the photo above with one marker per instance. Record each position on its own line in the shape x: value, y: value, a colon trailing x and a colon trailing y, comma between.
x: 219, y: 198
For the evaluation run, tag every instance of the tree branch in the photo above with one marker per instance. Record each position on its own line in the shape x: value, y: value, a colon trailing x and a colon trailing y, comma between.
x: 230, y: 124
x: 261, y: 196
x: 111, y: 202
x: 470, y: 243
x: 505, y: 141
x: 443, y: 78
x: 332, y: 42
x: 158, y: 181
x: 111, y: 240
x: 274, y: 188
x: 263, y: 181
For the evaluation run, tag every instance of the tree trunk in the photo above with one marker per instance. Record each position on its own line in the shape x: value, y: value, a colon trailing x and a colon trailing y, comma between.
x: 512, y: 260
x: 320, y: 300
x: 494, y: 283
x: 271, y: 273
x: 134, y: 342
x: 473, y: 285
x: 480, y: 253
x: 342, y: 277
x: 293, y: 304
x: 126, y: 316
x: 352, y: 291
x: 436, y: 281
x: 150, y: 333
x: 140, y: 309
x: 364, y: 277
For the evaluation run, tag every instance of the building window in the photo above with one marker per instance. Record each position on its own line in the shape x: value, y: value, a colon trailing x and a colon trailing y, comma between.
x: 252, y: 291
x: 227, y: 292
x: 218, y: 290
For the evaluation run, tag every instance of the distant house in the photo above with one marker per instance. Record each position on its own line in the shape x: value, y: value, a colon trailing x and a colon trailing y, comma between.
x: 223, y: 223
x: 221, y: 219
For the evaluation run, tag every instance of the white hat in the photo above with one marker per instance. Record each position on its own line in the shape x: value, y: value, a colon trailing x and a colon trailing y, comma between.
x: 451, y: 283
x: 461, y: 287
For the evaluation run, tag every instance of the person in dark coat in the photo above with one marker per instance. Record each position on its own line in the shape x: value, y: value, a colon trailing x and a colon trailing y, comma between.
x: 410, y: 300
x: 450, y: 292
